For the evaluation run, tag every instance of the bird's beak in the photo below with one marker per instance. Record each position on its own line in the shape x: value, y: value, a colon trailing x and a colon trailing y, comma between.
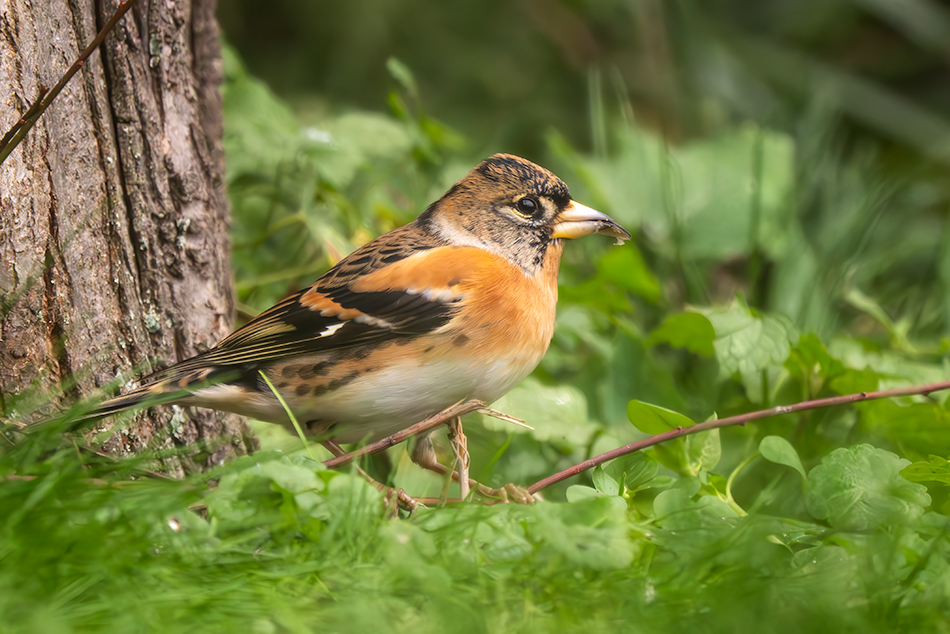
x: 578, y: 220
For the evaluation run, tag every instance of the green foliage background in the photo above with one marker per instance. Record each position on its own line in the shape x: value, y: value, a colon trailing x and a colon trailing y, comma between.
x: 783, y: 168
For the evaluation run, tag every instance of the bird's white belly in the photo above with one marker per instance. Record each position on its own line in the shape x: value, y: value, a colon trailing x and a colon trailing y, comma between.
x: 391, y: 399
x: 381, y: 402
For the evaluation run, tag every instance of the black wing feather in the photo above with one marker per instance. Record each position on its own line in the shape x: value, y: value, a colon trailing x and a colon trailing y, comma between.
x: 292, y: 329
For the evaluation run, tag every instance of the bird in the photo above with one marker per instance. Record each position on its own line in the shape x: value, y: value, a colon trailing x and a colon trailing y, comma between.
x: 457, y: 304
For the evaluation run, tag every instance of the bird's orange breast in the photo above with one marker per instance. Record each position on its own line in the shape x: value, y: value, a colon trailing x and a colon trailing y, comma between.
x: 503, y: 311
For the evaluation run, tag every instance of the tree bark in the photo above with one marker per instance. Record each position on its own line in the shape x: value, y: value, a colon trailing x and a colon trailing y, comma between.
x: 114, y: 237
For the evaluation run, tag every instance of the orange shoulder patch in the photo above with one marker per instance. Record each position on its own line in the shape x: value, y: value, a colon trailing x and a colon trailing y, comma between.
x: 320, y: 303
x: 434, y: 272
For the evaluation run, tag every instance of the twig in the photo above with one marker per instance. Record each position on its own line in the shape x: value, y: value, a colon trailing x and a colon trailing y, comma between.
x: 29, y: 114
x: 19, y: 129
x: 494, y: 413
x: 734, y: 420
x: 459, y: 409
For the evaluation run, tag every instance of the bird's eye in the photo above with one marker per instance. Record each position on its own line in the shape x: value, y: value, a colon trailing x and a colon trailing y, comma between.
x: 529, y: 206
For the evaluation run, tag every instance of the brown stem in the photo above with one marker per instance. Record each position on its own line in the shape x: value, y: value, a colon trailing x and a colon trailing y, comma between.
x: 19, y: 129
x: 733, y: 420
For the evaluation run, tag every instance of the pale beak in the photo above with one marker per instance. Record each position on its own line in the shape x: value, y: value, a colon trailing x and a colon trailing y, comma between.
x: 578, y: 220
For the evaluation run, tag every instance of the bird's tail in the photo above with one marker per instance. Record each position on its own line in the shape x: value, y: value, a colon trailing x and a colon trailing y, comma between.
x: 147, y: 395
x: 171, y: 385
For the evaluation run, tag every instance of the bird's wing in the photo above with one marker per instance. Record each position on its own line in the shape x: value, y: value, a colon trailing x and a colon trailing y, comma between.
x: 386, y: 298
x: 388, y: 290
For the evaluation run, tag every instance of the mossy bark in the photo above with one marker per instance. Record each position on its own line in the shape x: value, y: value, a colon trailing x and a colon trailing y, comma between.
x: 114, y: 237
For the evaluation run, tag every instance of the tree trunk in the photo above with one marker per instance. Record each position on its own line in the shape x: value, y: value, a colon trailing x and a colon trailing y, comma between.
x: 114, y: 237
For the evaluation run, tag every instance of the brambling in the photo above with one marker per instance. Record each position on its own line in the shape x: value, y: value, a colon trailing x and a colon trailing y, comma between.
x: 458, y: 304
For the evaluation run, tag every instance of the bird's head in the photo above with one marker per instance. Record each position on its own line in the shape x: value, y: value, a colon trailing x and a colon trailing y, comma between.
x: 517, y: 209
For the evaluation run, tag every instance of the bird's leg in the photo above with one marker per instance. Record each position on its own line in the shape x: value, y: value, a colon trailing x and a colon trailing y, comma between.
x: 424, y: 455
x: 402, y: 498
x: 459, y: 444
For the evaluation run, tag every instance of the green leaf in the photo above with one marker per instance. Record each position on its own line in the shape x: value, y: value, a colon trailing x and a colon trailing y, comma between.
x: 677, y: 510
x: 864, y: 303
x: 853, y: 381
x: 720, y: 185
x: 361, y: 138
x: 260, y: 129
x: 402, y: 74
x: 890, y: 367
x: 811, y: 356
x: 703, y: 451
x: 579, y: 492
x: 686, y: 330
x: 861, y: 487
x: 935, y: 469
x: 750, y: 345
x: 632, y: 473
x: 653, y: 419
x: 921, y: 426
x: 778, y: 450
x: 555, y: 412
x: 592, y: 533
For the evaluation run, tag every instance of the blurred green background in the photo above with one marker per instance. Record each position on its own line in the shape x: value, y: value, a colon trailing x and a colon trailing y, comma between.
x: 505, y: 73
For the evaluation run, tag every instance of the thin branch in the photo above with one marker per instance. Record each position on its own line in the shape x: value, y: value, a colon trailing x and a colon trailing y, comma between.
x: 30, y: 113
x: 19, y: 129
x: 734, y: 420
x: 459, y: 409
